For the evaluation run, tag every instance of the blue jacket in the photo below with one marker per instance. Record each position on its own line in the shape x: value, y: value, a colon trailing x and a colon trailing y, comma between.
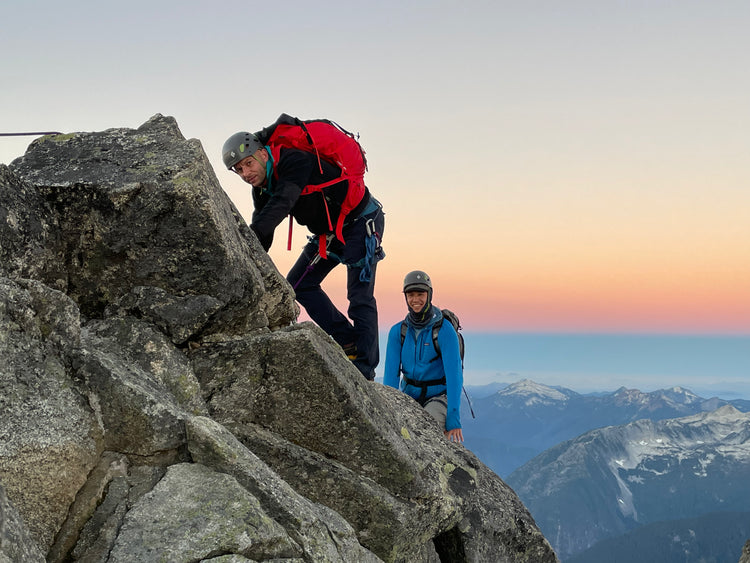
x: 418, y: 361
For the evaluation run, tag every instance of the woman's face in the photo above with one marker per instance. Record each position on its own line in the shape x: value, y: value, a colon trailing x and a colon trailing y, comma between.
x: 416, y: 300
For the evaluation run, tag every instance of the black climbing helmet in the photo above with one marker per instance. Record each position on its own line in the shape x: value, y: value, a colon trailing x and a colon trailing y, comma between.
x: 417, y: 281
x: 239, y: 146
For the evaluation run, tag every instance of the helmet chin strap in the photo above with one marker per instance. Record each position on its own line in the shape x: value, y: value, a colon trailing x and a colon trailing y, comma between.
x: 257, y: 158
x: 267, y: 165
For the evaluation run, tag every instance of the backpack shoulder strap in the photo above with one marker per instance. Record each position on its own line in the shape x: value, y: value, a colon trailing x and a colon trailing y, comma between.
x: 404, y: 328
x: 435, y: 332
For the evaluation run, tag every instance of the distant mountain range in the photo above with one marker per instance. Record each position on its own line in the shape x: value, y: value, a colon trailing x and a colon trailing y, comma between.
x: 518, y: 421
x: 615, y: 479
x: 715, y: 537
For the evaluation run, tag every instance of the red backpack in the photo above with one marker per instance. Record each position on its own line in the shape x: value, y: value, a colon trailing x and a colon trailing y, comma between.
x: 330, y: 142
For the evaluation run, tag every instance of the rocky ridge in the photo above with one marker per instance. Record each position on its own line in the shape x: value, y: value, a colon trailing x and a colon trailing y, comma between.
x: 745, y: 557
x: 159, y: 401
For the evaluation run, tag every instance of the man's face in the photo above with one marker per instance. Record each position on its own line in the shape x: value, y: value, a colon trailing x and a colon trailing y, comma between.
x: 416, y: 300
x: 252, y: 169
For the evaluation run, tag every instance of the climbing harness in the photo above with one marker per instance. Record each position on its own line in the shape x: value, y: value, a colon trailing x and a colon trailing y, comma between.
x: 315, y: 260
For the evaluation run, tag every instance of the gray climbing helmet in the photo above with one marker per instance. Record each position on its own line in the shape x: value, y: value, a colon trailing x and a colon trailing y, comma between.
x: 417, y: 281
x: 239, y: 146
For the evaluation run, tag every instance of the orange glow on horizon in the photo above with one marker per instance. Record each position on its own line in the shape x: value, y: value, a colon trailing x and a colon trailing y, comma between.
x: 554, y: 304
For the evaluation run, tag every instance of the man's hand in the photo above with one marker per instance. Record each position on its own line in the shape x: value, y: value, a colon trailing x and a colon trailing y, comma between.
x: 455, y: 435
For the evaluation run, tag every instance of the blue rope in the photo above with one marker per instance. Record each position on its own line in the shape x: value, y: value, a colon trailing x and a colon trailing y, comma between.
x: 371, y: 244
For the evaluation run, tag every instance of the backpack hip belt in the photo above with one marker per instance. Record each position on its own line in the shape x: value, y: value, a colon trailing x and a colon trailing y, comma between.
x: 424, y: 385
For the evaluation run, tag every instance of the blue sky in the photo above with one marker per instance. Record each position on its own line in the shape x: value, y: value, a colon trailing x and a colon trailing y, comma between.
x: 708, y: 366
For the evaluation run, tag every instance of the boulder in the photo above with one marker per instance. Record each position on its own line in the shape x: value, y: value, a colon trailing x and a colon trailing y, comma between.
x: 143, y: 208
x: 139, y: 385
x: 364, y: 450
x: 309, y: 524
x: 16, y: 543
x: 50, y: 439
x: 29, y: 244
x: 194, y: 513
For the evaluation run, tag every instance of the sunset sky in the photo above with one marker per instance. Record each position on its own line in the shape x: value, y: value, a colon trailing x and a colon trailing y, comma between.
x: 579, y: 166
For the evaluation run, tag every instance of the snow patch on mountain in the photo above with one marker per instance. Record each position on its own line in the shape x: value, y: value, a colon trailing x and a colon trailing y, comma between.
x: 625, y: 502
x: 533, y: 393
x: 697, y: 439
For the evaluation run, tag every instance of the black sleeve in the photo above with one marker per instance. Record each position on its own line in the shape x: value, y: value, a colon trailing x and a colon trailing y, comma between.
x: 294, y: 169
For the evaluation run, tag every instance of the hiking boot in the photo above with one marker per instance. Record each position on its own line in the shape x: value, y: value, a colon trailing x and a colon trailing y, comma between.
x: 351, y: 351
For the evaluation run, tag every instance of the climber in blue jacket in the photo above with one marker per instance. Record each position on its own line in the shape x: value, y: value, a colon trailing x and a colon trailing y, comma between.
x: 433, y: 379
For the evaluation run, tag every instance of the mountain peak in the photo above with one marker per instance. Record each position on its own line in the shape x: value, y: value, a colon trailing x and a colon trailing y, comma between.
x: 679, y: 395
x: 533, y: 392
x: 724, y: 414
